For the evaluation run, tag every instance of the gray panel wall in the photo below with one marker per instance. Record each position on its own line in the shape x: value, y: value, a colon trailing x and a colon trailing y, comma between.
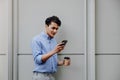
x: 3, y: 67
x: 3, y: 26
x: 107, y: 67
x: 75, y: 71
x: 31, y: 17
x: 3, y: 39
x: 33, y: 13
x: 107, y: 39
x: 107, y: 26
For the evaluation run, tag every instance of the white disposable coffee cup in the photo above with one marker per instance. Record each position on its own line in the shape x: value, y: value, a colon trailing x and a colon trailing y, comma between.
x: 66, y: 61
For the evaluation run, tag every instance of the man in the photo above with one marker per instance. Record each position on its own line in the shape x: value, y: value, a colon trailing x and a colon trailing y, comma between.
x: 45, y: 49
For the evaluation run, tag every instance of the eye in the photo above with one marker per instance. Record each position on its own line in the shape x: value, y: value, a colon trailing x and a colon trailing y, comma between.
x: 54, y: 28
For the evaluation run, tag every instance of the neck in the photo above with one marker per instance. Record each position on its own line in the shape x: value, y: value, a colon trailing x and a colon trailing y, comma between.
x: 48, y: 35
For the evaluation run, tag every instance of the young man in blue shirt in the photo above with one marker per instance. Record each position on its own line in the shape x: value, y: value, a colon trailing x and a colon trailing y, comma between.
x: 45, y: 49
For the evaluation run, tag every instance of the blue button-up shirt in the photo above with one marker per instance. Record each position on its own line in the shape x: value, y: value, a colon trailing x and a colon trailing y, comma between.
x: 41, y: 45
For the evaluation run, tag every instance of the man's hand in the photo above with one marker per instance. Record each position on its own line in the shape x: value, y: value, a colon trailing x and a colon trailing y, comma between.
x: 58, y: 48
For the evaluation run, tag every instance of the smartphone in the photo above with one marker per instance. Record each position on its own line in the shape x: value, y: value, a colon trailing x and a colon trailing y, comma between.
x: 64, y: 42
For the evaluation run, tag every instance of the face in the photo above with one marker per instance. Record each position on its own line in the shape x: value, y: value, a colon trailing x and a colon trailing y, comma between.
x: 52, y: 29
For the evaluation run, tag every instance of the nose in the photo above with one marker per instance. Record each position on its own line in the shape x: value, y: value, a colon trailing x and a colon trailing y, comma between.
x: 55, y: 30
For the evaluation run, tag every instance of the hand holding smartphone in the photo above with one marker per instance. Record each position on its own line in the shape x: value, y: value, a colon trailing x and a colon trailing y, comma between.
x: 64, y: 42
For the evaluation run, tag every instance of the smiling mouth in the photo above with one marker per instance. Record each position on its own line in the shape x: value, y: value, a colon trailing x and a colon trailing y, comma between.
x: 53, y: 33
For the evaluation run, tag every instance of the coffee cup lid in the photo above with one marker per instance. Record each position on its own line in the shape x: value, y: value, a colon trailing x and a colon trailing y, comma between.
x: 66, y: 57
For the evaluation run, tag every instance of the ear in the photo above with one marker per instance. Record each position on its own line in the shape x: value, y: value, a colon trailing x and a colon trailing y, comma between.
x: 46, y: 25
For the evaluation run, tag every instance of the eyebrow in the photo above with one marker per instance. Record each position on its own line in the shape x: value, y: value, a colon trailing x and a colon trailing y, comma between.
x: 54, y: 28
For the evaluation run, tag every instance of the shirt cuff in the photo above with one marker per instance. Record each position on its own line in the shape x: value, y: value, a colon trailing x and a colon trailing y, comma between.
x: 39, y: 59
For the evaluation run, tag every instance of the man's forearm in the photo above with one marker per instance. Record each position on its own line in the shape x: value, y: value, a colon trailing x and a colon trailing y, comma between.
x: 45, y: 57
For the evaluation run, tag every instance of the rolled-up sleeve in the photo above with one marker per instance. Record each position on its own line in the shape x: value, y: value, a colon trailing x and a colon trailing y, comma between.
x: 36, y: 51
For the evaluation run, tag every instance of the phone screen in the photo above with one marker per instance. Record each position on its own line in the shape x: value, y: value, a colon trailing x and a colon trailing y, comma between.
x: 64, y: 42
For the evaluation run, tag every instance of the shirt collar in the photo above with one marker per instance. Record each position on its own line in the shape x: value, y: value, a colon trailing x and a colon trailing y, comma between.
x: 44, y: 34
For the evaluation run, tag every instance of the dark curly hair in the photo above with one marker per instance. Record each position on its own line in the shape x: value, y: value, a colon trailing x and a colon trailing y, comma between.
x: 54, y: 19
